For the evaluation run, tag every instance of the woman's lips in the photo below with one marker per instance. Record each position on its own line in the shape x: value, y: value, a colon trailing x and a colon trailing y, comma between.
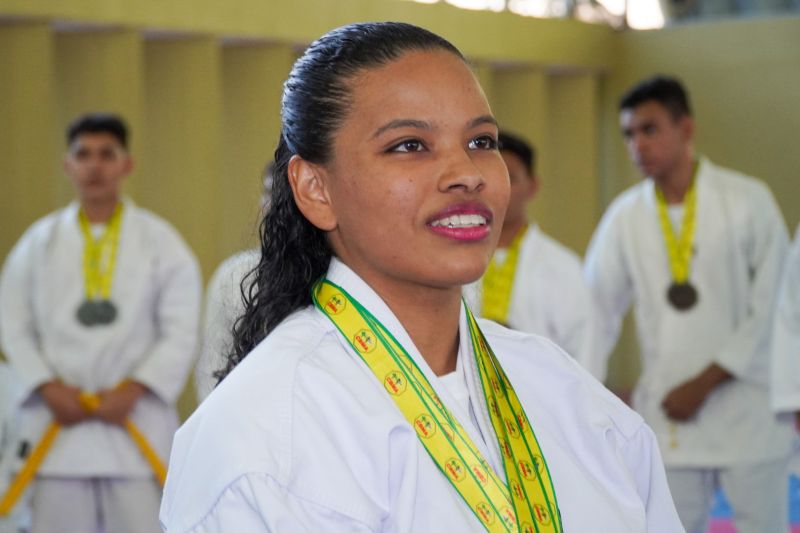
x: 463, y: 222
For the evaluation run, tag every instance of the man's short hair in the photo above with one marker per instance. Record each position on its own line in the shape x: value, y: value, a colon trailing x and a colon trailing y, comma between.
x: 98, y: 123
x: 508, y: 142
x: 665, y: 90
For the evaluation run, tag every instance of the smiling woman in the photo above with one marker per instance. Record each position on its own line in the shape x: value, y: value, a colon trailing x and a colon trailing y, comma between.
x: 362, y: 395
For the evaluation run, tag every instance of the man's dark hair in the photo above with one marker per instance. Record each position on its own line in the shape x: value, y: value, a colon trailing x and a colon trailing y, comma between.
x: 508, y: 142
x: 98, y: 123
x: 667, y: 91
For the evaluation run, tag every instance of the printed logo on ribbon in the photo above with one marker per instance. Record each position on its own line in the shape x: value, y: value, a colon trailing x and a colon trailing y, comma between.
x: 455, y: 469
x: 541, y: 514
x: 528, y: 528
x: 480, y: 473
x: 512, y: 428
x: 335, y: 304
x: 526, y: 469
x: 508, y: 516
x: 424, y: 426
x: 395, y: 383
x: 485, y: 513
x: 364, y: 341
x: 516, y: 489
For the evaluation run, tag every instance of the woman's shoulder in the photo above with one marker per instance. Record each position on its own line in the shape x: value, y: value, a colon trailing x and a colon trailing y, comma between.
x: 553, y: 381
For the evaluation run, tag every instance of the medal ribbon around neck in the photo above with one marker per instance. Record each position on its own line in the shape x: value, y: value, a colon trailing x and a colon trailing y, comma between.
x: 498, y: 281
x: 527, y: 503
x: 100, y: 255
x: 679, y: 249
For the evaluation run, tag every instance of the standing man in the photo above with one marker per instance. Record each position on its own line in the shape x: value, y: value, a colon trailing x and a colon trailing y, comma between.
x: 100, y: 297
x: 534, y: 284
x: 699, y: 249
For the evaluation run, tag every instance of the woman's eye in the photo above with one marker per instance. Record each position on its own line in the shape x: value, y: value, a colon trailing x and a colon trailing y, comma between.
x: 485, y: 142
x: 410, y: 145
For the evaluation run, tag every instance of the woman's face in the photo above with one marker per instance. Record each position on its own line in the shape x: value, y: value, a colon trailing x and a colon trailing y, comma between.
x: 416, y: 183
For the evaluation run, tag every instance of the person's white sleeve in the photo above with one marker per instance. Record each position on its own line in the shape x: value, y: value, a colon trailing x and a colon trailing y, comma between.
x: 743, y: 352
x: 216, y: 332
x: 644, y: 462
x: 578, y: 324
x: 610, y: 286
x: 257, y: 503
x: 785, y: 371
x: 165, y: 367
x: 19, y: 337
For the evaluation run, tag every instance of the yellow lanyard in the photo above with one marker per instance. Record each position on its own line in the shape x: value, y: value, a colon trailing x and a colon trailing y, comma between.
x: 498, y: 281
x: 527, y: 503
x: 679, y: 249
x: 90, y: 402
x: 100, y: 255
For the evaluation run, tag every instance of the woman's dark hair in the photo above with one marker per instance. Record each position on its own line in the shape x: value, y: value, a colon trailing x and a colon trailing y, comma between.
x: 316, y: 98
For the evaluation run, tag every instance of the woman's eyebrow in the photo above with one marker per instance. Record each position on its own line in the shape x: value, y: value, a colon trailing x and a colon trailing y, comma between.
x: 483, y: 119
x: 402, y: 123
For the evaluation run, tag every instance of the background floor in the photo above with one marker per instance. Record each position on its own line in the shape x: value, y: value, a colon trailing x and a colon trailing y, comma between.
x: 721, y: 512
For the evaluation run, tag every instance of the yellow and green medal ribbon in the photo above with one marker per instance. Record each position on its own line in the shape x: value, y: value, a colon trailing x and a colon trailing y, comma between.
x: 679, y: 248
x: 100, y: 255
x: 498, y: 281
x: 526, y: 502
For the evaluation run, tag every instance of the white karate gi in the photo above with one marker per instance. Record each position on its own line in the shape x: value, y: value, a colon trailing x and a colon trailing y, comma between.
x: 302, y: 437
x: 740, y: 240
x: 223, y: 306
x: 786, y: 336
x: 156, y: 289
x: 549, y: 297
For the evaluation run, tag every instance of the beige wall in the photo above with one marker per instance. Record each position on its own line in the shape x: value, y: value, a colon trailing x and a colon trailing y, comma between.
x: 199, y: 83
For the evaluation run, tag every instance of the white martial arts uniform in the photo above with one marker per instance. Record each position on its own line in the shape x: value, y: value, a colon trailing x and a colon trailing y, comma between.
x: 786, y: 336
x: 739, y: 245
x: 156, y: 289
x: 10, y: 396
x: 224, y: 305
x: 549, y: 297
x: 302, y: 437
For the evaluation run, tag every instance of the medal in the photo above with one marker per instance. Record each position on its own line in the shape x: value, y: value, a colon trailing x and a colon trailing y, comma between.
x: 99, y: 259
x: 682, y: 296
x: 96, y: 312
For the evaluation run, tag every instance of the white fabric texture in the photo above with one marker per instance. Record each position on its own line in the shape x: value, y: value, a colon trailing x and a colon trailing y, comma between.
x: 786, y: 336
x: 302, y: 437
x: 740, y: 241
x: 223, y: 306
x: 549, y: 297
x: 156, y: 289
x: 81, y: 505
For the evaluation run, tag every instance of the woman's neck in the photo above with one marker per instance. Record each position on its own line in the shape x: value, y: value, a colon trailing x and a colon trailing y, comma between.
x: 431, y: 317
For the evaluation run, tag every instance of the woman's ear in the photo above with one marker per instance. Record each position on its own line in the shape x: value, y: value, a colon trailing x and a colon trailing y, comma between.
x: 309, y: 187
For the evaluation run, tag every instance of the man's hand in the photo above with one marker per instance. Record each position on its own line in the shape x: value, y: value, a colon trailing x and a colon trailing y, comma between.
x: 62, y: 400
x: 116, y: 404
x: 684, y: 401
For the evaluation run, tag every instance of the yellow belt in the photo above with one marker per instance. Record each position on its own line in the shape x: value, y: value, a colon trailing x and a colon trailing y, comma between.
x: 90, y: 402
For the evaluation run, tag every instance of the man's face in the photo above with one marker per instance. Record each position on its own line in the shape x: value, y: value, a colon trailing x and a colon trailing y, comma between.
x: 97, y: 164
x: 523, y: 188
x: 656, y: 141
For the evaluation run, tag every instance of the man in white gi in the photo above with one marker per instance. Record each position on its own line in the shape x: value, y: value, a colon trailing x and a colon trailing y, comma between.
x: 535, y: 284
x: 699, y: 249
x: 786, y: 338
x: 100, y: 298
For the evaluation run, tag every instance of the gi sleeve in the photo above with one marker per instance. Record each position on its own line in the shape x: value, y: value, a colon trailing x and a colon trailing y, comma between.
x: 19, y: 335
x: 606, y: 274
x: 785, y: 371
x: 641, y: 455
x: 257, y: 503
x: 165, y: 367
x: 745, y: 352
